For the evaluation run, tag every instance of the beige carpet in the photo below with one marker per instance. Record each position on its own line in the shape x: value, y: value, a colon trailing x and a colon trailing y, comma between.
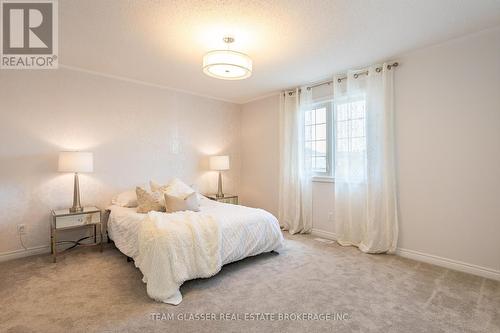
x: 88, y: 291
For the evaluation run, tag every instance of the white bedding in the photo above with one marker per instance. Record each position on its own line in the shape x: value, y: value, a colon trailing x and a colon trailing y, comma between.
x: 177, y: 247
x: 244, y: 231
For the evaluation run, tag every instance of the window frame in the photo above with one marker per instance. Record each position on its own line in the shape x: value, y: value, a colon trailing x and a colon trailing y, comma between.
x: 329, y: 138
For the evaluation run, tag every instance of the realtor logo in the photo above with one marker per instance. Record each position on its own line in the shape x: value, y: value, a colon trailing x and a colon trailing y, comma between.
x: 29, y: 34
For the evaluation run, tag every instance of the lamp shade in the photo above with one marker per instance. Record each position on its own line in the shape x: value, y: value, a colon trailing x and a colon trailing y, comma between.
x: 76, y: 161
x: 219, y: 163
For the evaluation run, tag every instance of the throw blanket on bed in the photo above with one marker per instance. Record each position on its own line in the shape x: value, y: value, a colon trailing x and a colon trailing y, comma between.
x: 177, y: 247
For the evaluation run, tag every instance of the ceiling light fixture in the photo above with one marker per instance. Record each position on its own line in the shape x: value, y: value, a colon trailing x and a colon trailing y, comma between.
x: 227, y: 64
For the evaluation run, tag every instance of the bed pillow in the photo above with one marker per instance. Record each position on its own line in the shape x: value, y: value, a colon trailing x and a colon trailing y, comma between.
x: 159, y: 189
x: 125, y: 199
x: 178, y: 188
x: 148, y: 201
x: 176, y: 204
x: 155, y: 187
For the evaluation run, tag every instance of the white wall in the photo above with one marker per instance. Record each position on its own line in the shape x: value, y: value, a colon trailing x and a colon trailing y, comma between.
x: 448, y: 131
x: 137, y: 133
x: 260, y: 154
x: 447, y: 103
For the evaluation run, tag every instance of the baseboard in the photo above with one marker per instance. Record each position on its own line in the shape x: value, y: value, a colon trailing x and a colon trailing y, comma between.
x: 431, y: 259
x: 31, y: 251
x: 410, y: 254
x: 450, y: 263
x: 324, y: 234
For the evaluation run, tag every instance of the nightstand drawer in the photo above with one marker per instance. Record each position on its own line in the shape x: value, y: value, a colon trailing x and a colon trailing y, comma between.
x: 77, y: 220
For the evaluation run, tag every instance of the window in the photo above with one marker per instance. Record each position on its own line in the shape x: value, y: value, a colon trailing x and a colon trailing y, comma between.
x: 336, y: 137
x: 350, y: 127
x: 318, y: 138
x: 350, y: 139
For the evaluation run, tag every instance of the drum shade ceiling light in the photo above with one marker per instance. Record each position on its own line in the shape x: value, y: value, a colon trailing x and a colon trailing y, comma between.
x: 227, y: 64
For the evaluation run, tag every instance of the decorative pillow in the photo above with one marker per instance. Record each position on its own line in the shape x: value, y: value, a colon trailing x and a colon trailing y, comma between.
x: 159, y: 190
x: 175, y: 204
x: 148, y: 201
x: 125, y: 199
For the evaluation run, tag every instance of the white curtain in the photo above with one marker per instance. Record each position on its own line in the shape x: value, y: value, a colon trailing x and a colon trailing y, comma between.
x: 295, y: 189
x: 365, y: 180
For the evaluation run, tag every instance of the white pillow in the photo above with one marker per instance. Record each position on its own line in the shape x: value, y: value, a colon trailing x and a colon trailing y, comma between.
x: 176, y: 204
x: 155, y: 187
x: 125, y: 199
x: 177, y: 188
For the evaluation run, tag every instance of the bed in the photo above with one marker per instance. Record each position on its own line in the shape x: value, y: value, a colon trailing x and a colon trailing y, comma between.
x: 241, y: 232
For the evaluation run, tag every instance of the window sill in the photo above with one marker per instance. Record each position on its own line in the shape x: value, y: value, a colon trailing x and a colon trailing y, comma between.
x: 323, y: 179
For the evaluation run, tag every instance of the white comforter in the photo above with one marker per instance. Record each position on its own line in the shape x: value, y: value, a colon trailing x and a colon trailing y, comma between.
x: 243, y: 231
x: 177, y: 247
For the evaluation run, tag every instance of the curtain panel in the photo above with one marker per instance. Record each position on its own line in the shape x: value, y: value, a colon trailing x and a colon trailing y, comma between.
x: 365, y: 175
x: 295, y: 186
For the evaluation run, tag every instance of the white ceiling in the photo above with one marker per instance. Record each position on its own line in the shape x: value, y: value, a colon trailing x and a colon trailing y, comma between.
x: 291, y: 42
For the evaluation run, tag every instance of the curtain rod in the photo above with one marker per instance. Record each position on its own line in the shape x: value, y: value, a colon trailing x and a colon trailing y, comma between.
x: 340, y: 79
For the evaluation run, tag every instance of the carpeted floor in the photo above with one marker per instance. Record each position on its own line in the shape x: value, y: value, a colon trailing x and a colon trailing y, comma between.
x: 89, y: 291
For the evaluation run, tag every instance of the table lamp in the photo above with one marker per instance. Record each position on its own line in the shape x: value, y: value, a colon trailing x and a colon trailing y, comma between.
x: 219, y: 163
x: 76, y: 161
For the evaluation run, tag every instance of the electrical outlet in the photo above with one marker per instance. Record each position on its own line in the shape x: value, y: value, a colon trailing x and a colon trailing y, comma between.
x: 330, y: 217
x: 21, y: 229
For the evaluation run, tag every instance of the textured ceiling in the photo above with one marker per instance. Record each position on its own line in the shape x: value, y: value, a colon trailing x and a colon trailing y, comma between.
x: 291, y: 42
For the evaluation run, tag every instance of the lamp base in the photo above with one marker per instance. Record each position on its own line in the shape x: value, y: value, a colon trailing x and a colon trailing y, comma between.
x: 219, y: 194
x: 76, y: 209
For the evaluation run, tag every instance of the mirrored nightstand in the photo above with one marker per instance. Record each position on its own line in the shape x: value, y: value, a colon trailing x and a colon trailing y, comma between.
x: 227, y: 198
x: 64, y: 220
